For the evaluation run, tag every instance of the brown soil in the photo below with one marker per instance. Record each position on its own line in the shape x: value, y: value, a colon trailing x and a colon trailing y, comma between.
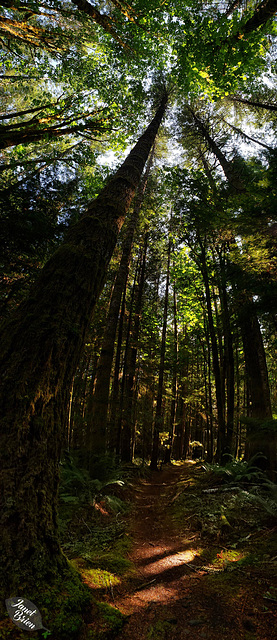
x: 171, y: 595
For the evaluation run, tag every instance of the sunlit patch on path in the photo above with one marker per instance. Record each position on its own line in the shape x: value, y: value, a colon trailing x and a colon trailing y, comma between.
x: 171, y: 595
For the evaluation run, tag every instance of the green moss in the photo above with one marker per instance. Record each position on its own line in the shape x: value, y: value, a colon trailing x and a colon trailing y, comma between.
x: 112, y: 562
x: 99, y: 578
x: 64, y: 605
x: 112, y: 616
x: 159, y: 630
x: 108, y: 623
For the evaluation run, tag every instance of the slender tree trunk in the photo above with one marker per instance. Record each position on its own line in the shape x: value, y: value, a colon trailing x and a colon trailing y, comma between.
x: 116, y: 396
x: 238, y: 401
x: 220, y: 348
x: 131, y: 358
x: 89, y: 402
x: 102, y: 387
x: 227, y: 167
x: 40, y: 349
x: 255, y: 362
x: 158, y: 414
x: 205, y: 375
x: 124, y: 430
x: 172, y: 425
x: 100, y: 400
x: 229, y: 359
x: 210, y: 403
x: 254, y: 103
x: 215, y: 358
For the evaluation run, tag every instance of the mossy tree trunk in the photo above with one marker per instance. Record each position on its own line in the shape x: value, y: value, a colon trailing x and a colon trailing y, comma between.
x: 40, y: 349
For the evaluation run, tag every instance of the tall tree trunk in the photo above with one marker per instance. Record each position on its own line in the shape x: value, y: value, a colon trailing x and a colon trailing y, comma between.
x: 40, y: 349
x: 172, y: 425
x: 158, y: 414
x: 124, y: 431
x: 227, y: 167
x: 102, y: 386
x: 116, y: 396
x: 238, y: 400
x: 254, y: 103
x: 131, y: 358
x: 260, y: 437
x: 210, y: 439
x: 220, y: 348
x: 255, y: 362
x: 210, y: 403
x: 215, y: 358
x: 98, y: 417
x: 229, y: 356
x: 205, y: 375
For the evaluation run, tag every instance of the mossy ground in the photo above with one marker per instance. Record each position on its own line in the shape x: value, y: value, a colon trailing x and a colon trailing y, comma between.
x: 94, y: 541
x: 64, y: 606
x: 229, y: 581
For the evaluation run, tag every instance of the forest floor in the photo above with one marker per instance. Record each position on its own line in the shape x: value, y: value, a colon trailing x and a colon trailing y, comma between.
x: 199, y: 571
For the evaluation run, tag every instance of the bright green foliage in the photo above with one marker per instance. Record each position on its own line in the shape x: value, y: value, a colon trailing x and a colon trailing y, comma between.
x: 87, y: 79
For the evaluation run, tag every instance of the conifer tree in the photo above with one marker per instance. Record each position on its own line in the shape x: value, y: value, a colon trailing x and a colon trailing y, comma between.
x: 41, y: 344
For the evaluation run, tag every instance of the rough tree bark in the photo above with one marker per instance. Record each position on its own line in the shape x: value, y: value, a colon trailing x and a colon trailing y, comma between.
x: 40, y: 348
x: 258, y: 439
x: 98, y: 418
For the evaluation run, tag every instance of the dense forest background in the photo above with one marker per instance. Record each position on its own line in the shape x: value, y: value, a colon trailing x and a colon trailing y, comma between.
x: 179, y: 356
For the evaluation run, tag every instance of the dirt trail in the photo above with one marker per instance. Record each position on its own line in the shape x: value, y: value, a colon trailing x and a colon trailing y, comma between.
x: 171, y: 596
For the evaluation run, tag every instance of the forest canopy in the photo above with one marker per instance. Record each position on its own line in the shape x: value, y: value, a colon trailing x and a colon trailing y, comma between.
x: 138, y: 256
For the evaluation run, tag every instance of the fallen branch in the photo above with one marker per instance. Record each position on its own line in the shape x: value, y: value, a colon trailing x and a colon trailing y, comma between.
x: 146, y: 584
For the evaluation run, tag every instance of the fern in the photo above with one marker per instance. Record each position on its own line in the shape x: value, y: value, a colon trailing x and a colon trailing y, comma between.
x: 238, y: 471
x: 77, y: 486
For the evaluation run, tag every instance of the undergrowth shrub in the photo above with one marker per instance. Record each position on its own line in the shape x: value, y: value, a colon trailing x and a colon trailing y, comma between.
x: 78, y: 485
x: 228, y: 501
x: 237, y: 471
x: 91, y: 514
